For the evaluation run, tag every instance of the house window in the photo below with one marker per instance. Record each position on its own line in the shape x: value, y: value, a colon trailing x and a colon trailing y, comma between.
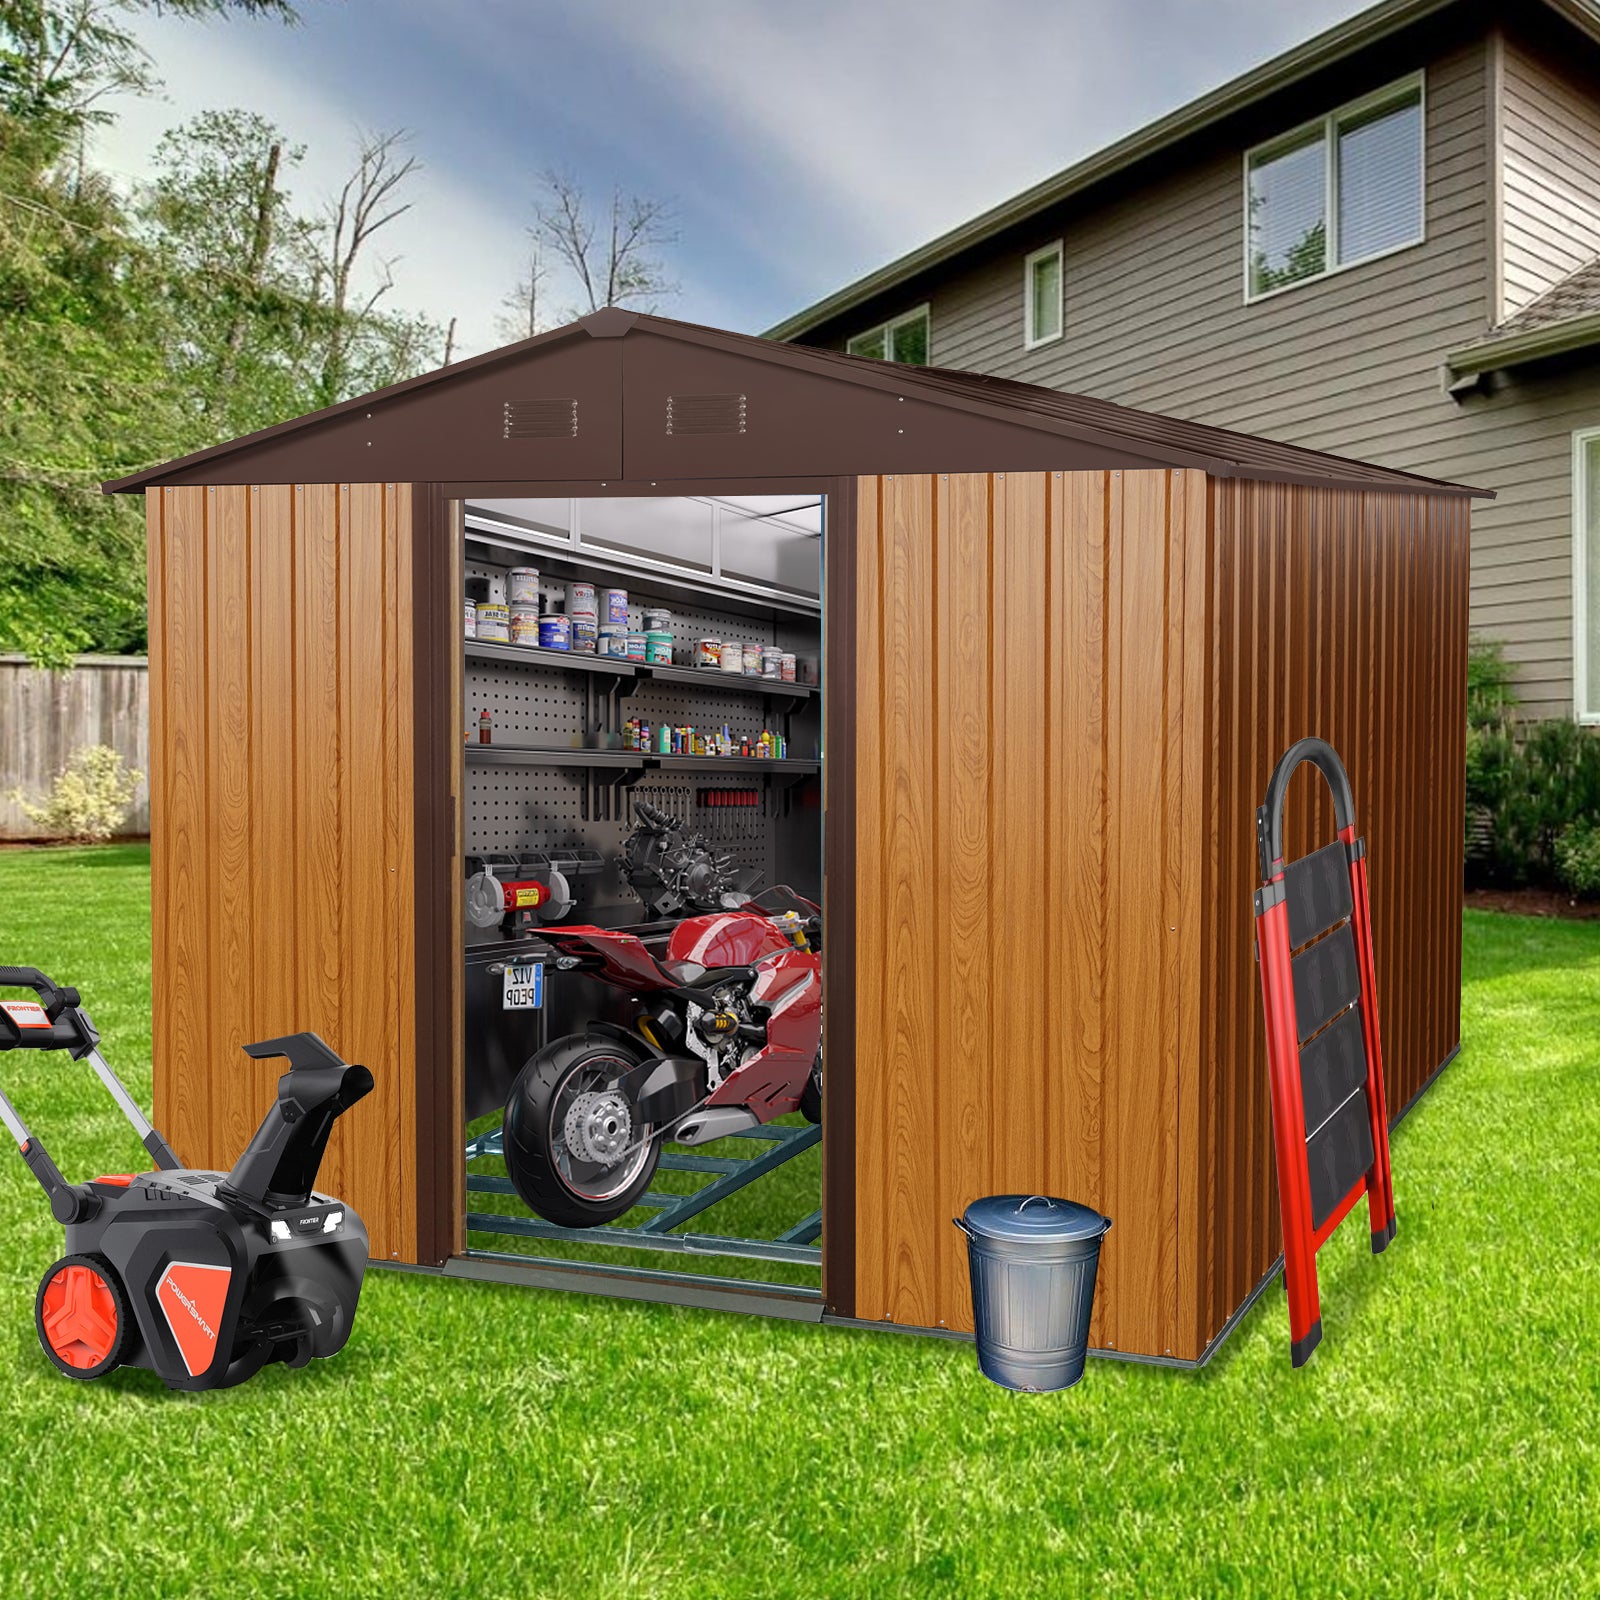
x: 1339, y: 191
x: 903, y: 339
x: 1041, y: 296
x: 1586, y: 575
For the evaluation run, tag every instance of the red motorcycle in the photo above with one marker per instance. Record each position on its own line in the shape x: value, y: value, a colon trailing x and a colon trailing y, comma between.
x: 728, y: 1034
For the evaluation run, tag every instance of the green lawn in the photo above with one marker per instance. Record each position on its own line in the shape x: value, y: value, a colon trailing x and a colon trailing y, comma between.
x: 488, y: 1442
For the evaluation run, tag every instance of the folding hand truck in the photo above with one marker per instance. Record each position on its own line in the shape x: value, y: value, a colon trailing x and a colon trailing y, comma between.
x: 1330, y: 1126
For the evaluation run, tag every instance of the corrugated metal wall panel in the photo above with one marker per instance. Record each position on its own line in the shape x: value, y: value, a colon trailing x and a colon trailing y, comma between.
x: 281, y: 797
x: 1342, y: 615
x: 1030, y: 743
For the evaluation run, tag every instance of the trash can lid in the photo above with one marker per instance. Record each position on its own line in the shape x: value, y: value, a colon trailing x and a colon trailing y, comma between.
x: 1035, y: 1217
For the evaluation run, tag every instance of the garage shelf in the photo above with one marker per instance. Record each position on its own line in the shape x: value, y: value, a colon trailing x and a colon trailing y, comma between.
x: 715, y: 678
x: 529, y: 656
x: 528, y: 755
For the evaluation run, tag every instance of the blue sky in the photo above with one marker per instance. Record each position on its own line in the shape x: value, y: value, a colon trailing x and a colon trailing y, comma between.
x: 801, y: 143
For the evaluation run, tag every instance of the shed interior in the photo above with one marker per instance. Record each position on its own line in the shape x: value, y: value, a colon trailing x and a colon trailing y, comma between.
x: 580, y: 745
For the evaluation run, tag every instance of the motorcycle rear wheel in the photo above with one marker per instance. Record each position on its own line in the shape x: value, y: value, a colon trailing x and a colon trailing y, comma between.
x: 553, y: 1180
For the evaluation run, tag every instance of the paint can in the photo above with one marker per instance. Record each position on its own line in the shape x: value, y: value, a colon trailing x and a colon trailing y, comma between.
x: 493, y: 622
x: 657, y: 620
x: 555, y: 632
x: 585, y: 636
x: 522, y: 586
x: 732, y: 656
x: 708, y: 653
x: 614, y: 606
x: 636, y: 646
x: 786, y: 668
x: 752, y: 658
x: 612, y: 641
x: 580, y: 600
x: 658, y: 647
x: 525, y: 625
x: 771, y: 662
x: 472, y: 620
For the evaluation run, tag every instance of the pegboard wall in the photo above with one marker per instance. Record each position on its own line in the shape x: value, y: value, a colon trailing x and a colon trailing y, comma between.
x: 549, y: 808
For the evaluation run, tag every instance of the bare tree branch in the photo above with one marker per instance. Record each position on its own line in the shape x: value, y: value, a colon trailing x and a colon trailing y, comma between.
x: 620, y: 266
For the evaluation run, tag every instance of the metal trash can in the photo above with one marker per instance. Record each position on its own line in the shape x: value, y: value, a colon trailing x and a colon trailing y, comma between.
x: 1033, y: 1262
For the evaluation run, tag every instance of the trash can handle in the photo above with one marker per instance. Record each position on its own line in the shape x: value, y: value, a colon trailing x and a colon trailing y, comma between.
x: 961, y: 1223
x: 1031, y: 1198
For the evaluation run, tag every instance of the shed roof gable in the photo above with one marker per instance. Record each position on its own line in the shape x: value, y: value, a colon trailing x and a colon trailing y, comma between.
x: 620, y: 396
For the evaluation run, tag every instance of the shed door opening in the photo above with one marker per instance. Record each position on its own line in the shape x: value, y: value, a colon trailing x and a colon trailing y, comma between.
x: 642, y: 884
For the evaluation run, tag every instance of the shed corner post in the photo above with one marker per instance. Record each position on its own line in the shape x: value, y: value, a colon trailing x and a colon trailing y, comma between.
x: 436, y: 981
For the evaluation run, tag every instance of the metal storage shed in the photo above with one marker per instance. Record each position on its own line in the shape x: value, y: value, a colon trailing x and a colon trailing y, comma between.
x: 1064, y: 644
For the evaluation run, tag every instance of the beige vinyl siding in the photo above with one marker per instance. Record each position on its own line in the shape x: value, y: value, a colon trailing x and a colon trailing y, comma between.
x: 1550, y: 176
x: 1352, y: 363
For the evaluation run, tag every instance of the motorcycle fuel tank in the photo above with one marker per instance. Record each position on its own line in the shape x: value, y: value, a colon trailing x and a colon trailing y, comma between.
x: 726, y: 939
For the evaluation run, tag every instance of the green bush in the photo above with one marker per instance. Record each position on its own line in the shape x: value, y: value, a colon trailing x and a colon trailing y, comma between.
x: 1533, y: 789
x: 1578, y: 858
x: 90, y: 798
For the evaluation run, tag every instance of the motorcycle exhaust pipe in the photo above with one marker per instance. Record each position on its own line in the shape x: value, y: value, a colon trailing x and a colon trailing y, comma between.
x: 715, y: 1122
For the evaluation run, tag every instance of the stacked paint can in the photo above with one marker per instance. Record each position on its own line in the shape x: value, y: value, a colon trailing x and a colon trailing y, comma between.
x: 472, y: 620
x: 555, y: 632
x: 493, y: 622
x: 585, y: 635
x: 581, y: 600
x: 612, y: 641
x: 614, y: 606
x: 522, y: 586
x: 524, y: 623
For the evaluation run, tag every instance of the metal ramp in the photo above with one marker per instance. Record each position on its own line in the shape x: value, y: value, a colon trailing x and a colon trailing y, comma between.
x: 795, y: 1245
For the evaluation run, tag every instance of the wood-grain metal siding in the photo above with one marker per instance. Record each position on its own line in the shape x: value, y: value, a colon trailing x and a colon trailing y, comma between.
x: 281, y: 830
x: 1029, y: 749
x: 1342, y: 615
x: 1156, y: 317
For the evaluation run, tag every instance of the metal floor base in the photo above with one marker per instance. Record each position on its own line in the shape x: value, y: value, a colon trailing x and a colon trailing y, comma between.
x: 795, y: 1246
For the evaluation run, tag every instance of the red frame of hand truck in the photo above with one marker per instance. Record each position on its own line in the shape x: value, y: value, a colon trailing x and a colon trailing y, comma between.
x: 1300, y: 1240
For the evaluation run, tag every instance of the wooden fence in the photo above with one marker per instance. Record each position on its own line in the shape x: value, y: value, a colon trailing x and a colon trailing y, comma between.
x: 46, y: 716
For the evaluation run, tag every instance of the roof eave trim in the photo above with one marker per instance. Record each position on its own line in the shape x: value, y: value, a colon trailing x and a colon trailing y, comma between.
x: 1370, y: 27
x: 1517, y: 349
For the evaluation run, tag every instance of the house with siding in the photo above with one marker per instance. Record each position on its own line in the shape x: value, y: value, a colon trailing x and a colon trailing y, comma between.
x: 1384, y: 243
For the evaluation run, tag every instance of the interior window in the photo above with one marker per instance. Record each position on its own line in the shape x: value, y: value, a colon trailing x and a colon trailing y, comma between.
x: 1340, y: 191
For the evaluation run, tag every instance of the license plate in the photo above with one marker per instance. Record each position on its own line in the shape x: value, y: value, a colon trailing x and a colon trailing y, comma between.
x: 524, y: 987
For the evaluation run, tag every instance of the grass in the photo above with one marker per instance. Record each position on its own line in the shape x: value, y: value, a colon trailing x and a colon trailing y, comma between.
x: 485, y: 1441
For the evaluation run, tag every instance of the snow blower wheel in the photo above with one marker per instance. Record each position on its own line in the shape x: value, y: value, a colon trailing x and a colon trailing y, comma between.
x: 202, y: 1277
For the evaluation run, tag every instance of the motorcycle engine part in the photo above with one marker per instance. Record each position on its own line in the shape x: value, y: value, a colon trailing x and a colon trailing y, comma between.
x: 719, y: 1027
x: 560, y: 900
x: 598, y: 1127
x: 721, y: 1057
x: 485, y: 899
x: 672, y: 870
x: 201, y: 1278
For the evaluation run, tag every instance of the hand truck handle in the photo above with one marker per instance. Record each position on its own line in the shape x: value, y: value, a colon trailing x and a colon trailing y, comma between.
x: 1269, y: 818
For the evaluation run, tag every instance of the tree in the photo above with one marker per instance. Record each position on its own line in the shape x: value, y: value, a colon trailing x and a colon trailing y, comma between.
x: 60, y: 58
x: 519, y: 311
x: 611, y: 254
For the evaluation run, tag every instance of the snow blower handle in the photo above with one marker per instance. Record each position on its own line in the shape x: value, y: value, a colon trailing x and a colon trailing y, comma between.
x: 279, y: 1167
x: 58, y: 1022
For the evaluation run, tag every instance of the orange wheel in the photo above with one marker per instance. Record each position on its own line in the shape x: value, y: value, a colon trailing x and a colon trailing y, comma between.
x: 82, y: 1316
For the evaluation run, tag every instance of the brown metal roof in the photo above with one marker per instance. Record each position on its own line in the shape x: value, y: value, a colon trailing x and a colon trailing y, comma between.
x: 603, y: 392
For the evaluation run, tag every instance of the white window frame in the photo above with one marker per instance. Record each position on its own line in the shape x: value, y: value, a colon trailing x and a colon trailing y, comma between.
x: 1400, y: 89
x: 1581, y: 711
x: 923, y: 313
x: 1031, y: 340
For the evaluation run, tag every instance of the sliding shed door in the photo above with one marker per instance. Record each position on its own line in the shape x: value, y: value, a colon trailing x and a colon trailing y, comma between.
x: 281, y: 818
x: 1029, y: 740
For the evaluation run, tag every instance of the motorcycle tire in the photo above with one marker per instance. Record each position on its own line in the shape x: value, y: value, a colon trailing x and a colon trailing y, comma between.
x: 811, y: 1095
x: 533, y: 1153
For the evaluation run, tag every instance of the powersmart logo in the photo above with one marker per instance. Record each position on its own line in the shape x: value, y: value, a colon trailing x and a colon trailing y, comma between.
x: 191, y: 1295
